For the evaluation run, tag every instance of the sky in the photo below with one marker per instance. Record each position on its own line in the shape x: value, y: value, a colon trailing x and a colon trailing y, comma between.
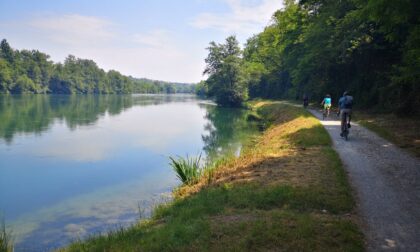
x: 156, y: 39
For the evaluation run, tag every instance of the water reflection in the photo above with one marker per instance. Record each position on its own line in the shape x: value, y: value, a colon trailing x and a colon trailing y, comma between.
x: 226, y: 129
x: 73, y: 165
x: 34, y: 113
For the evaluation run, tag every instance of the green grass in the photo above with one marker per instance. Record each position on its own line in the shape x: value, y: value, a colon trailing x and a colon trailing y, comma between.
x: 262, y: 220
x: 300, y: 199
x: 381, y: 131
x: 402, y: 131
x: 6, y: 243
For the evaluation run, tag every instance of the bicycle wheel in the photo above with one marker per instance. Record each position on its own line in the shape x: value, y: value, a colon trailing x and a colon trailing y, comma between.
x: 346, y: 129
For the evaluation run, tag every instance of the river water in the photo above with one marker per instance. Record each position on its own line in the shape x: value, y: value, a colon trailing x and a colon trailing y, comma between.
x: 73, y: 166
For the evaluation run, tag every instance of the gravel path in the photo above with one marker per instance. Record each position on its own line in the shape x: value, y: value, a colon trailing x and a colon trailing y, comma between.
x: 387, y: 184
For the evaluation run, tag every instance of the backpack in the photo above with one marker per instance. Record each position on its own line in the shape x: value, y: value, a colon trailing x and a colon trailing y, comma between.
x: 348, y: 102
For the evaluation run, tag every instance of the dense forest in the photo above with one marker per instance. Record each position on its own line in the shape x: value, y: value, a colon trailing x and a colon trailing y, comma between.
x: 368, y: 47
x: 28, y: 71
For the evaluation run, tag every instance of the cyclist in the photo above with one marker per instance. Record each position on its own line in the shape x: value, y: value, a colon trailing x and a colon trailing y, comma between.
x: 305, y: 100
x: 345, y: 105
x: 327, y: 104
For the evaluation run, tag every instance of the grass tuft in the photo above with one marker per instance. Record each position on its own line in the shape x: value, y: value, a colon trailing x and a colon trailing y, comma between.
x: 188, y: 170
x: 6, y: 243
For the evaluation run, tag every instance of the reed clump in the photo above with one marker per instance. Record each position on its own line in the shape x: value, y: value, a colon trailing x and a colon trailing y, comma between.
x: 188, y: 169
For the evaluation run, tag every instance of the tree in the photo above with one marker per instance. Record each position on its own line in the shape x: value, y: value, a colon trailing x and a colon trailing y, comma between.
x: 226, y: 81
x: 6, y: 51
x: 370, y: 47
x: 5, y: 76
x: 23, y: 85
x: 31, y: 71
x: 201, y: 89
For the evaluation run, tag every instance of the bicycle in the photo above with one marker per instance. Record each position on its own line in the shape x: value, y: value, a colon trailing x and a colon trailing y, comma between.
x: 345, y: 125
x: 305, y: 103
x: 325, y: 112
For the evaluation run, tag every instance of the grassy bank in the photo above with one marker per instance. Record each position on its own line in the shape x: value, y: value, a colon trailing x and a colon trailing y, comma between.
x: 402, y: 131
x: 286, y: 192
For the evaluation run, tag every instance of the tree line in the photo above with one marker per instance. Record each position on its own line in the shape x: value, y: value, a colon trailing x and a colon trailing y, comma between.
x: 368, y: 47
x: 31, y: 71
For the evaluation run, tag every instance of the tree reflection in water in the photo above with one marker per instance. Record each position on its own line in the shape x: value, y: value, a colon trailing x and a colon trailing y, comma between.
x: 227, y: 129
x: 35, y: 113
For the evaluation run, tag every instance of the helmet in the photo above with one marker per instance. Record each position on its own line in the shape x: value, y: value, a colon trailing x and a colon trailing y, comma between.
x: 328, y: 95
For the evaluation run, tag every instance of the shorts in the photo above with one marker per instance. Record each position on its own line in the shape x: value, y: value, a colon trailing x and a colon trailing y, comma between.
x: 327, y: 106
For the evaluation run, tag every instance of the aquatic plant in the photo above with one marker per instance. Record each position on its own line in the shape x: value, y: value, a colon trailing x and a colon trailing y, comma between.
x: 188, y: 169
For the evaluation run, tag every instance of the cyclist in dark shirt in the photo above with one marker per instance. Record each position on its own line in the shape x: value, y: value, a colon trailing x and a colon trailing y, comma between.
x: 305, y: 100
x: 345, y: 105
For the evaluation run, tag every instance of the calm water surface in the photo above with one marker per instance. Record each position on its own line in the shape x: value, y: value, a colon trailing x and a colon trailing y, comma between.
x: 71, y: 166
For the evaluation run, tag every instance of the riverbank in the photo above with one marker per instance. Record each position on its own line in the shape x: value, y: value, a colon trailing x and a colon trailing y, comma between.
x: 287, y: 192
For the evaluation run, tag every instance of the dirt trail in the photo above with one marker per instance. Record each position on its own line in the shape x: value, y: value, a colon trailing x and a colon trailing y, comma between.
x: 387, y: 185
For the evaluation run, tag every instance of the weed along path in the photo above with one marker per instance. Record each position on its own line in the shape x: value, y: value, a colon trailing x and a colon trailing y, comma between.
x: 387, y: 183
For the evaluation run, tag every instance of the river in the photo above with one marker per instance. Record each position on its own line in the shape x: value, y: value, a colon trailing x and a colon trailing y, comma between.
x: 73, y: 166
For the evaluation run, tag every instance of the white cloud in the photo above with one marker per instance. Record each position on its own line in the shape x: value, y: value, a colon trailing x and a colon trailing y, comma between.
x: 156, y: 53
x: 156, y: 39
x: 153, y: 52
x: 246, y: 17
x: 74, y: 29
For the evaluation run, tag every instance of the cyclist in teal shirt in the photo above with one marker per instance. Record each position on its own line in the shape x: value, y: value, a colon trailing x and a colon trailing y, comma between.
x: 327, y: 104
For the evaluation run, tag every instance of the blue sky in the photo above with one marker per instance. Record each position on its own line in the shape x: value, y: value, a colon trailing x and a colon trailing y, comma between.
x: 158, y: 39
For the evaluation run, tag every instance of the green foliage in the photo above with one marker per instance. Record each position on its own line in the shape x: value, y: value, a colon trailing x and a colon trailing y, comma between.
x: 370, y: 47
x: 188, y: 170
x: 201, y: 89
x: 147, y: 86
x: 32, y: 72
x: 226, y: 81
